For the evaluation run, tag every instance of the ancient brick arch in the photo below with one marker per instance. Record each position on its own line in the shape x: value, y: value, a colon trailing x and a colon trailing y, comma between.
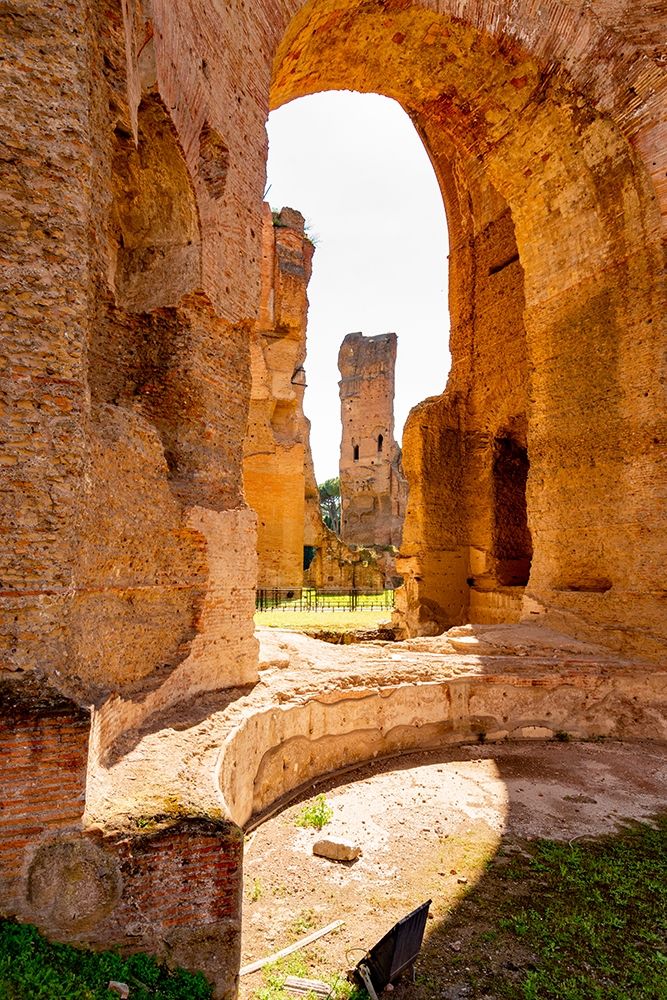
x: 128, y: 556
x: 531, y: 150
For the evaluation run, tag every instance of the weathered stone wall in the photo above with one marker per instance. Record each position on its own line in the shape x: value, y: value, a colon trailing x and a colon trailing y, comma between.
x: 133, y: 150
x: 372, y: 486
x: 170, y: 885
x: 512, y: 681
x: 44, y: 747
x: 453, y: 560
x: 336, y: 566
x: 276, y: 440
x: 129, y: 561
x: 147, y: 385
x: 523, y: 120
x: 512, y: 117
x: 279, y: 477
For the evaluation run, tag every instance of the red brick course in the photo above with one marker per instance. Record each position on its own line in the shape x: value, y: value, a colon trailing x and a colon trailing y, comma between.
x: 174, y: 890
x: 44, y: 753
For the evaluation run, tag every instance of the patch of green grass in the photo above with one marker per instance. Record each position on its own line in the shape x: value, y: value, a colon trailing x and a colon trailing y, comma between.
x: 31, y: 968
x: 302, y: 924
x: 315, y: 814
x: 339, y: 621
x: 549, y: 920
x: 254, y: 890
x: 598, y: 924
x: 274, y: 976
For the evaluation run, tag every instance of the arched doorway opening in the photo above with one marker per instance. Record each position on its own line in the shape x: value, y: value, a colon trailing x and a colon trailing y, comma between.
x: 536, y: 319
x: 448, y: 551
x: 354, y: 167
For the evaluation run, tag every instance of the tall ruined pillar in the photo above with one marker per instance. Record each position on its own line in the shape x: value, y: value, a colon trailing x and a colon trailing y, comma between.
x: 274, y: 462
x: 373, y: 489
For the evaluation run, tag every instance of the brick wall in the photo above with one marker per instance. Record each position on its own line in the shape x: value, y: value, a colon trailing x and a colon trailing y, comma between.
x: 172, y: 889
x: 181, y: 898
x: 44, y: 750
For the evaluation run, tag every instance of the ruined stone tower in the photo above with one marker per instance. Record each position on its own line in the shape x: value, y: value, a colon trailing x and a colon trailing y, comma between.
x: 373, y: 489
x: 134, y: 151
x: 278, y: 472
x: 274, y: 452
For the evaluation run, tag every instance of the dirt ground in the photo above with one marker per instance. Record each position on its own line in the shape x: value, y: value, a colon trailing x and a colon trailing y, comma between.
x: 428, y: 825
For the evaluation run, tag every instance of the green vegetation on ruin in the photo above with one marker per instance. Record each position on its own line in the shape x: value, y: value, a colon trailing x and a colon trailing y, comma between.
x: 540, y: 920
x: 549, y: 920
x: 315, y: 814
x: 32, y: 968
x: 274, y: 976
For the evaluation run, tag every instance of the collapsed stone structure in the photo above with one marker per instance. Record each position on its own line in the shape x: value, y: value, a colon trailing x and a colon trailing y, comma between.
x: 134, y: 152
x: 372, y: 486
x: 293, y: 544
x: 276, y: 442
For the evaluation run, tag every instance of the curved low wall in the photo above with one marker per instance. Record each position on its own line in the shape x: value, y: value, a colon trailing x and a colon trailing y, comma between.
x: 162, y: 801
x: 303, y: 735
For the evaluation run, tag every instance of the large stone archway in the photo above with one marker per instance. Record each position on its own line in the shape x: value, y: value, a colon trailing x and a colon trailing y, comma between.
x: 552, y: 219
x: 134, y: 139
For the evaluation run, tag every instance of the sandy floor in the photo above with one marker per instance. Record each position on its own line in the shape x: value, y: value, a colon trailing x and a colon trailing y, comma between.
x: 428, y: 825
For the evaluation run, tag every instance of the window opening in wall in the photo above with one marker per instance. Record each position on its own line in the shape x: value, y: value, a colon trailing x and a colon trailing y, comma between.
x: 380, y: 442
x: 309, y: 553
x: 513, y: 547
x: 355, y: 452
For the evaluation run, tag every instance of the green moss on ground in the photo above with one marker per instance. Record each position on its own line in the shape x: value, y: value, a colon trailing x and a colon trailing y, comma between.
x: 550, y: 920
x: 32, y: 968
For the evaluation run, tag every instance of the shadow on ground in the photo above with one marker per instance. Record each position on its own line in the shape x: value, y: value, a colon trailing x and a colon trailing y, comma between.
x: 513, y: 916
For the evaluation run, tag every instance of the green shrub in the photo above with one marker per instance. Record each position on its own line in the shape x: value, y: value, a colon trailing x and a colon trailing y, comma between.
x: 315, y: 814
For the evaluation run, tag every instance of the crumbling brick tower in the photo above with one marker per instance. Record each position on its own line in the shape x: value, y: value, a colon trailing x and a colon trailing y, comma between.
x: 373, y: 489
x: 274, y: 459
x: 133, y: 145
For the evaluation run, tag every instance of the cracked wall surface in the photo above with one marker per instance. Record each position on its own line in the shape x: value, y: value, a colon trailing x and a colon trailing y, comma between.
x: 372, y: 486
x: 133, y: 146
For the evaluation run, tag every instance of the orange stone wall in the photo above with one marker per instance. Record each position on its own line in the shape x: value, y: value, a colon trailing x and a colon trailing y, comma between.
x: 532, y: 139
x: 133, y: 148
x: 372, y: 487
x: 276, y: 440
x: 170, y: 885
x: 133, y: 252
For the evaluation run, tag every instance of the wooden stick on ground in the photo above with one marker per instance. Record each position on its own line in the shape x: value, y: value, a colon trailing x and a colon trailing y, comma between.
x: 261, y: 962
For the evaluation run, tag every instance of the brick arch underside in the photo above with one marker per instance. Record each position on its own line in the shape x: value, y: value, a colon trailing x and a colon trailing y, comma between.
x: 555, y: 296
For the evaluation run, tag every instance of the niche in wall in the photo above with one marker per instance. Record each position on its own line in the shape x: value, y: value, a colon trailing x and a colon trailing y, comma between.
x: 512, y: 543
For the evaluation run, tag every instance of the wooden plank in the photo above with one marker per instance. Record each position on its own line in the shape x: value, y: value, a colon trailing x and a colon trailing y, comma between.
x: 304, y: 987
x: 261, y: 962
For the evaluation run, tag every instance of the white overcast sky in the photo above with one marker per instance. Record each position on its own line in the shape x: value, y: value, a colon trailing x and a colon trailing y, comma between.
x: 355, y: 167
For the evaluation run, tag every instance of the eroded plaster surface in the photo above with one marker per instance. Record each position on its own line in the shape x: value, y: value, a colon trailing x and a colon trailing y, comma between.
x: 133, y: 146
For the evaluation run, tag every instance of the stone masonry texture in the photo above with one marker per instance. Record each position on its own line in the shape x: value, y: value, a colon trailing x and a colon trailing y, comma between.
x: 373, y: 489
x: 278, y: 471
x: 133, y: 151
x: 276, y: 442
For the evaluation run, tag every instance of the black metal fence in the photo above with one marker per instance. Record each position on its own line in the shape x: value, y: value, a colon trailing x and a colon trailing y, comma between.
x: 307, y: 599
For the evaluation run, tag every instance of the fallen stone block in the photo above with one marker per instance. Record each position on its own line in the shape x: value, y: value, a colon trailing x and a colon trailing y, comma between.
x: 336, y: 849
